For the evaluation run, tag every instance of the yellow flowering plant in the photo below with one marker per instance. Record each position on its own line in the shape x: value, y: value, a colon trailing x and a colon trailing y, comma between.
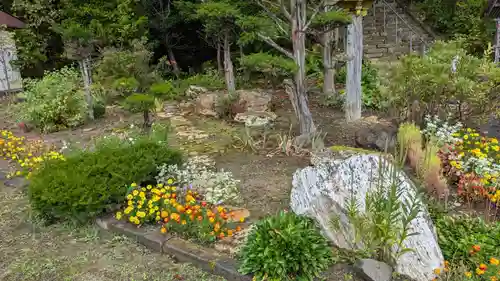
x: 178, y: 211
x: 472, y: 163
x: 27, y: 154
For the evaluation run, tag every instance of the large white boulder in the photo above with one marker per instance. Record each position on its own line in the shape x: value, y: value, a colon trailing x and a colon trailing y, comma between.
x: 322, y: 191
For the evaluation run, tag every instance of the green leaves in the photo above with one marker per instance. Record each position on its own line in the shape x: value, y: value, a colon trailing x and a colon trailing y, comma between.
x: 457, y: 235
x: 139, y: 103
x: 54, y: 102
x: 88, y: 184
x: 275, y: 68
x: 285, y: 247
x: 217, y: 15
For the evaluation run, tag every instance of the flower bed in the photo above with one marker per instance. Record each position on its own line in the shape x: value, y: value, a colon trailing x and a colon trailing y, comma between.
x: 27, y: 154
x: 182, y: 212
x: 469, y: 160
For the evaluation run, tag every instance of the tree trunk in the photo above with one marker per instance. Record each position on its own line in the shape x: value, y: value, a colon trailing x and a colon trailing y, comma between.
x: 327, y: 40
x: 298, y: 96
x: 3, y: 62
x: 354, y: 65
x: 220, y: 68
x: 228, y: 64
x: 87, y: 83
x: 328, y: 66
x: 171, y: 58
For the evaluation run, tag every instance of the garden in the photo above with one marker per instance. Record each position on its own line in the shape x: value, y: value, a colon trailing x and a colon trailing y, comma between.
x: 117, y: 165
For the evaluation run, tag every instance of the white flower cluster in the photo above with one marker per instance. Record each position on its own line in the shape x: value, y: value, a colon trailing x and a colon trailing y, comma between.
x: 481, y: 166
x: 199, y: 173
x: 440, y: 131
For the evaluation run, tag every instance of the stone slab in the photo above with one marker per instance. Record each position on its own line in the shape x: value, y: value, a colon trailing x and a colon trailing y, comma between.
x: 180, y: 249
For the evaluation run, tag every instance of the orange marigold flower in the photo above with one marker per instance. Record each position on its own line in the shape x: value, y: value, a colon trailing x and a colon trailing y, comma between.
x: 230, y: 233
x: 183, y: 222
x: 211, y: 219
x: 200, y: 218
x: 494, y: 261
x: 238, y: 228
x: 483, y: 266
x: 476, y: 248
x: 493, y: 278
x: 468, y: 274
x: 163, y: 230
x: 437, y: 271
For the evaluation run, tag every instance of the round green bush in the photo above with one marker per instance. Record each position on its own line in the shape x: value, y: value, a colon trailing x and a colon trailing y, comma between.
x: 89, y: 183
x: 285, y: 247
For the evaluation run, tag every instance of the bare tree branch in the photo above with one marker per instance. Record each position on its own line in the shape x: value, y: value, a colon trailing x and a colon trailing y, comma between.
x: 285, y: 12
x: 275, y: 45
x: 277, y: 21
x: 315, y: 13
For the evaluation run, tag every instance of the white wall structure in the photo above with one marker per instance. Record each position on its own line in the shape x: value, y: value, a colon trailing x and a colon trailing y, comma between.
x: 10, y: 77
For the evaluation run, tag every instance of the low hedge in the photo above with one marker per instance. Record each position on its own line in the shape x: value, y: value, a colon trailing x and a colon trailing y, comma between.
x: 90, y: 183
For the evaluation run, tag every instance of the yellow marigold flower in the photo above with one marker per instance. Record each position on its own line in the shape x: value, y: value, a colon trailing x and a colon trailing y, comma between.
x: 170, y: 181
x: 479, y: 271
x: 130, y: 202
x: 118, y: 215
x: 135, y: 192
x: 133, y: 184
x: 141, y: 214
x: 466, y: 137
x: 173, y: 188
x: 493, y: 278
x: 158, y: 218
x: 128, y: 210
x: 468, y: 274
x: 163, y: 230
x: 494, y: 261
x: 211, y: 219
x: 129, y: 197
x: 142, y: 194
x: 183, y: 222
x: 437, y: 271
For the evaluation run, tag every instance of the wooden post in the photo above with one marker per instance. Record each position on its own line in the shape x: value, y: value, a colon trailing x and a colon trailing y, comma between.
x: 354, y: 65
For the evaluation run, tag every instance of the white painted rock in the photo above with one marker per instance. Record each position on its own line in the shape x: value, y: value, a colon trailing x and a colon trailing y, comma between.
x: 322, y: 191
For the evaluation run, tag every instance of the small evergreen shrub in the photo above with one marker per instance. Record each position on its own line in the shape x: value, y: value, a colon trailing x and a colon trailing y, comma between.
x: 285, y: 247
x: 55, y: 102
x: 88, y: 183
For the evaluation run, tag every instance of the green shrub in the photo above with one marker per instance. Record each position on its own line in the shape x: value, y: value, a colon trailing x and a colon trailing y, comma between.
x: 210, y: 79
x: 467, y: 91
x: 55, y: 102
x: 273, y: 68
x: 164, y: 90
x: 459, y: 19
x: 139, y: 103
x: 285, y: 247
x: 124, y: 72
x: 369, y: 84
x: 89, y: 183
x: 457, y: 236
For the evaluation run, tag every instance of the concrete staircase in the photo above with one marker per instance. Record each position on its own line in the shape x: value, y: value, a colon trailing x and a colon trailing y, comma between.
x: 390, y: 31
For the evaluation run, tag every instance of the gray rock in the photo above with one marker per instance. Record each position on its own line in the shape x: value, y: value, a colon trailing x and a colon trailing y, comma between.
x: 206, y: 103
x: 322, y: 191
x: 255, y: 119
x: 381, y: 137
x: 193, y: 91
x: 254, y: 100
x: 372, y: 270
